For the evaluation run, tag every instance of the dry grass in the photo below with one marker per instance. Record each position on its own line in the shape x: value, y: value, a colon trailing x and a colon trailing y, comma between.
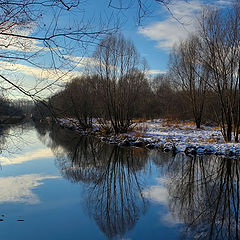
x: 214, y: 139
x: 138, y: 134
x: 216, y: 128
x: 211, y: 140
x: 139, y: 120
x: 182, y: 125
x: 139, y: 130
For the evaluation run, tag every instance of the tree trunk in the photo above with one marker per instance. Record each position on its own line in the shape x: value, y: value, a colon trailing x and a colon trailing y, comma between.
x: 198, y: 122
x: 229, y: 132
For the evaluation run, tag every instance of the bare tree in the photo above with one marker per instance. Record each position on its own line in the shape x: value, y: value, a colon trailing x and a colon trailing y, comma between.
x: 31, y: 29
x: 190, y: 74
x: 121, y: 74
x: 220, y: 35
x: 40, y: 36
x: 78, y: 100
x: 167, y: 100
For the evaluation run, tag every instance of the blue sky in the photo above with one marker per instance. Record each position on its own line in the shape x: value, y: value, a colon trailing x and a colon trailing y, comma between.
x: 160, y: 33
x: 153, y: 37
x: 163, y: 27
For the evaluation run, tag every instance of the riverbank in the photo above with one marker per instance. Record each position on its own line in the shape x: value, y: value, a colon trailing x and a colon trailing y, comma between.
x: 167, y: 136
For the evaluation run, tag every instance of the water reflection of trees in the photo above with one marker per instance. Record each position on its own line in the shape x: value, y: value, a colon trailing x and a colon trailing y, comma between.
x: 113, y: 184
x: 4, y: 132
x: 115, y: 195
x: 11, y: 137
x: 204, y: 194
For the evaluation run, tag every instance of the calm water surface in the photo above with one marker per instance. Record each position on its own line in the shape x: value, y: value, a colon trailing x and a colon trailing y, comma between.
x: 55, y: 184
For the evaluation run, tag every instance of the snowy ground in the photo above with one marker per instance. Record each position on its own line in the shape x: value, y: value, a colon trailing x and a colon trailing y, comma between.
x: 184, y: 137
x: 170, y: 136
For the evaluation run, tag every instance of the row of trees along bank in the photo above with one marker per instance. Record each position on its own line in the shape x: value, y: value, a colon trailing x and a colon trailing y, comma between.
x: 202, y: 83
x: 117, y: 91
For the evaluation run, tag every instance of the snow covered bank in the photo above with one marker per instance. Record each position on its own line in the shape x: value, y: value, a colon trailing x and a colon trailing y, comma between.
x: 160, y: 134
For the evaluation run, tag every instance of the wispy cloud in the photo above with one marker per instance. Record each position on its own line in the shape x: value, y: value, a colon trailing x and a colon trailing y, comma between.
x: 180, y: 21
x: 175, y: 27
x: 51, y: 74
x: 82, y: 61
x: 155, y: 72
x: 21, y: 45
x: 76, y: 68
x: 17, y: 42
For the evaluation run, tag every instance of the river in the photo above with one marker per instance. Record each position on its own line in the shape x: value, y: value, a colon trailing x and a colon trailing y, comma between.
x: 56, y: 184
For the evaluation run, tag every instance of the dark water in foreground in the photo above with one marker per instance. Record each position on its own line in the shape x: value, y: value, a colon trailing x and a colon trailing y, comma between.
x: 55, y: 184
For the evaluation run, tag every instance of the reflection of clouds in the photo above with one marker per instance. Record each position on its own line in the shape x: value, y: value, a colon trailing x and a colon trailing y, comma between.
x: 28, y: 156
x: 159, y: 194
x: 169, y: 220
x: 19, y: 189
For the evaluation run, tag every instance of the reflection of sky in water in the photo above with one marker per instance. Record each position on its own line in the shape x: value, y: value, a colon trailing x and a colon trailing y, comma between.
x: 54, y: 208
x: 19, y: 188
x: 27, y: 156
x: 159, y: 194
x: 84, y: 189
x: 22, y: 147
x: 18, y: 142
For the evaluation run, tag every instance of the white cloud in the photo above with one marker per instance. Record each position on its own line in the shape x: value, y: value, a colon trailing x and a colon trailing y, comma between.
x: 82, y: 61
x: 155, y: 72
x: 39, y: 73
x: 180, y: 21
x: 19, y: 189
x: 168, y: 32
x: 51, y: 74
x: 18, y: 43
x: 21, y: 45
